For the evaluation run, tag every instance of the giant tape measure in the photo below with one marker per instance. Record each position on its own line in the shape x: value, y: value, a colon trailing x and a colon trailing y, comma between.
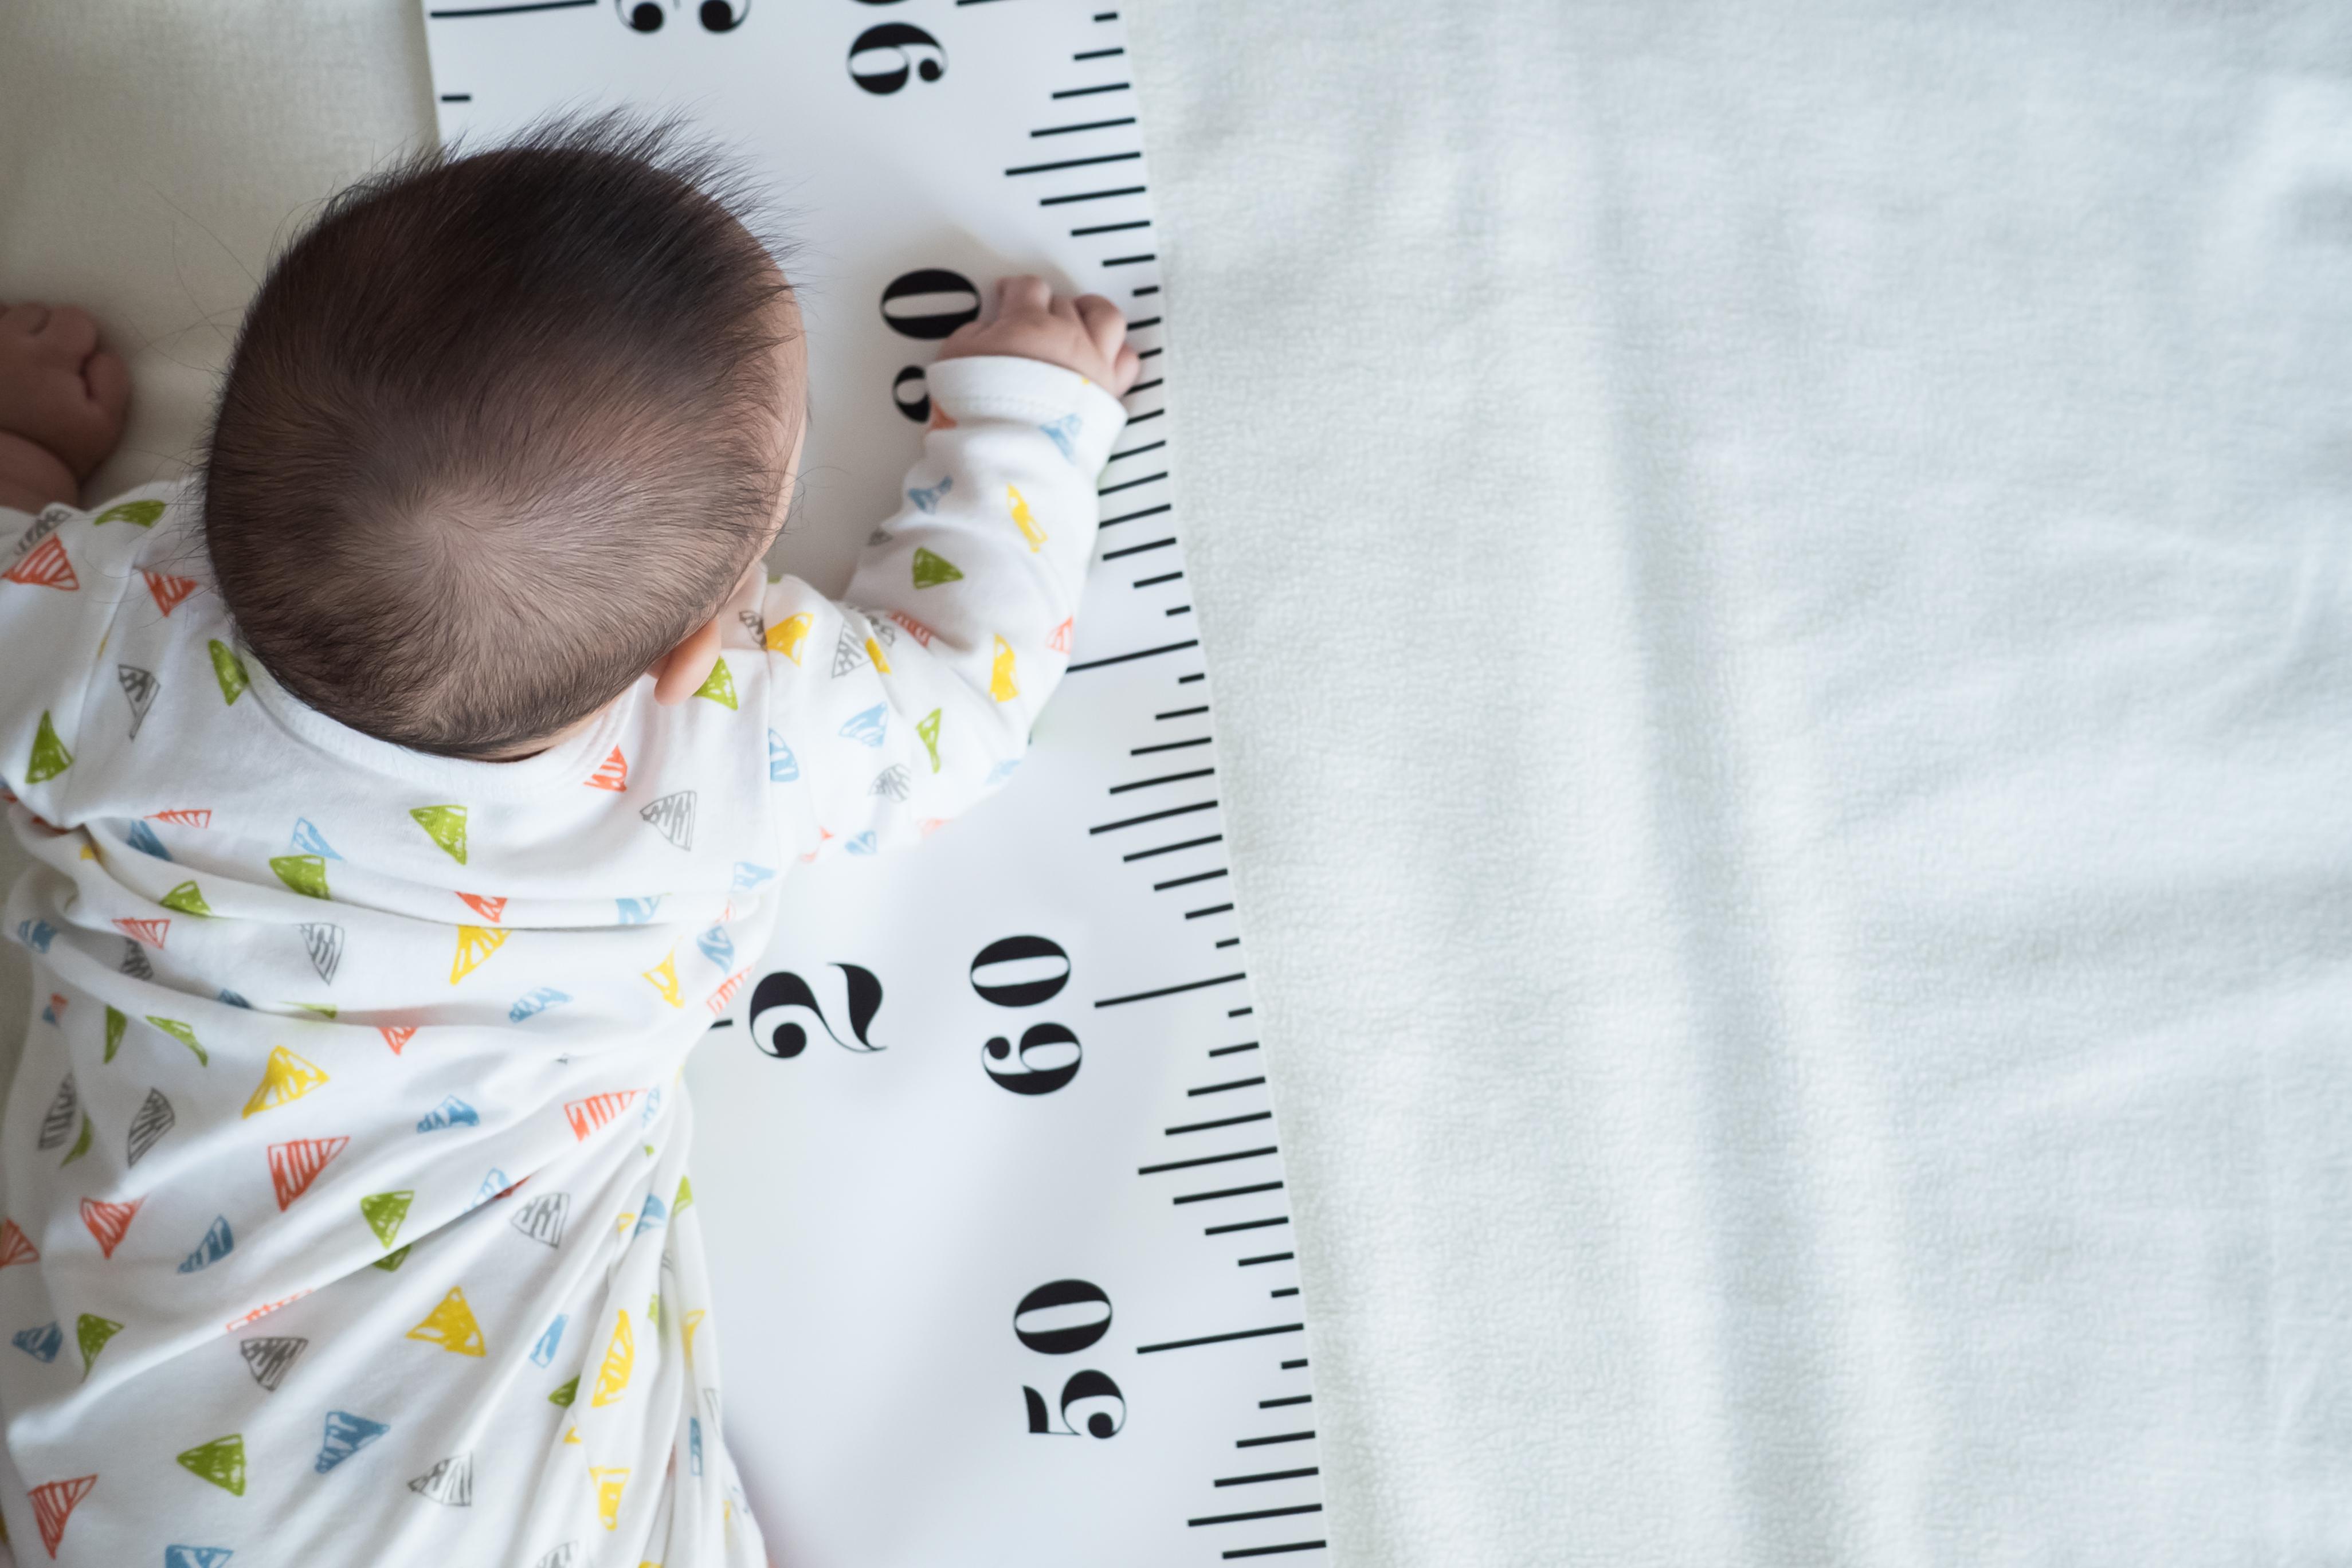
x: 989, y: 1173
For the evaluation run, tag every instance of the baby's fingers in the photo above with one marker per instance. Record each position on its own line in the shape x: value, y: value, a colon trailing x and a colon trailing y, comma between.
x: 1026, y: 295
x: 1124, y: 369
x: 1103, y: 325
x: 109, y: 380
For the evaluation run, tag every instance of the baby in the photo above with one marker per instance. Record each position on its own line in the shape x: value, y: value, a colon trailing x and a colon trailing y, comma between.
x: 408, y: 793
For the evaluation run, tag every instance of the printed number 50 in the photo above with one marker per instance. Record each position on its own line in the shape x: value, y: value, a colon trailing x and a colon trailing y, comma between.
x: 1064, y: 1317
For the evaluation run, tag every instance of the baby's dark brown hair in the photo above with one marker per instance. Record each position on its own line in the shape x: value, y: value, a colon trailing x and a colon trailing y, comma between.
x: 499, y: 430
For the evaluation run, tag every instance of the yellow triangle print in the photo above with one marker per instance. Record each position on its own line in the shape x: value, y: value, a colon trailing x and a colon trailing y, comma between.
x: 609, y: 1479
x: 451, y: 1326
x: 286, y: 1078
x: 874, y: 652
x: 573, y: 1435
x: 999, y: 675
x: 620, y: 1359
x: 721, y: 686
x: 1022, y: 519
x: 664, y: 976
x: 687, y: 1325
x: 475, y: 943
x: 787, y: 634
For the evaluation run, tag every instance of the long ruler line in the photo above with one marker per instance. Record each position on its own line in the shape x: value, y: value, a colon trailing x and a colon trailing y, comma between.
x: 1221, y: 1339
x: 1173, y: 990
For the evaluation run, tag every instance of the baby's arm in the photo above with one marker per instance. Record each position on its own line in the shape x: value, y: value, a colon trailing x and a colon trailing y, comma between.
x: 62, y: 399
x: 904, y: 704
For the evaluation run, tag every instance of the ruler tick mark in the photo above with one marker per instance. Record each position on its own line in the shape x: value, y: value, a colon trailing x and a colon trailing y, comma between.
x: 1293, y: 1365
x: 1130, y: 484
x: 457, y: 97
x: 1270, y: 1257
x: 1073, y: 163
x: 1223, y: 1121
x: 1130, y: 261
x: 1090, y: 196
x: 1152, y: 582
x: 1123, y: 658
x: 1221, y: 1339
x: 1249, y: 1224
x: 1154, y: 817
x: 1163, y: 778
x: 1257, y: 1513
x: 1168, y: 746
x: 1108, y: 227
x: 1225, y: 1192
x: 1205, y: 1159
x: 1231, y: 1050
x: 1172, y: 849
x: 1272, y: 1550
x: 1179, y: 610
x: 1138, y: 549
x: 1286, y: 1291
x: 1268, y: 1476
x: 1187, y: 881
x: 1240, y: 1012
x: 1188, y: 679
x: 1132, y: 516
x: 1175, y: 990
x: 1140, y: 386
x: 1136, y: 451
x: 1099, y: 54
x: 1218, y: 1088
x: 510, y: 10
x: 1293, y: 1399
x: 1269, y: 1442
x: 1177, y: 712
x: 1147, y: 321
x: 1087, y: 125
x: 1212, y: 910
x: 1228, y: 941
x: 1083, y: 92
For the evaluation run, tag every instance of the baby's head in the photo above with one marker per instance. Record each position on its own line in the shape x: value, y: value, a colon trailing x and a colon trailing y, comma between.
x: 500, y: 432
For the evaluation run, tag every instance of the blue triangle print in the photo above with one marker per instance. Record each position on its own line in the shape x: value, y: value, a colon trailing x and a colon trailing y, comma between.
x: 651, y: 1214
x: 450, y: 1112
x: 196, y: 1556
x: 638, y: 912
x: 346, y: 1434
x: 782, y: 766
x: 40, y: 1343
x: 219, y: 1243
x: 142, y: 837
x: 544, y: 1351
x: 308, y: 840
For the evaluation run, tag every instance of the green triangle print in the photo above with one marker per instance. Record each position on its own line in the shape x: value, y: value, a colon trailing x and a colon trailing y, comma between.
x: 305, y: 874
x: 220, y: 1461
x: 230, y: 670
x: 391, y: 1261
x: 929, y: 730
x: 116, y: 1022
x: 187, y: 897
x: 82, y: 1144
x: 50, y: 757
x: 383, y: 1212
x: 930, y: 570
x: 91, y: 1332
x: 142, y: 513
x: 721, y: 686
x: 567, y: 1394
x: 446, y: 823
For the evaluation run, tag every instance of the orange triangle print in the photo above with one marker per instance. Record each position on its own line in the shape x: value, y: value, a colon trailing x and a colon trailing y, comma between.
x: 396, y: 1035
x: 53, y: 1504
x: 614, y: 775
x: 16, y: 1246
x: 151, y: 932
x: 482, y: 904
x: 589, y: 1115
x: 167, y: 590
x: 198, y: 816
x: 1060, y: 641
x: 296, y: 1164
x: 45, y: 567
x: 108, y: 1221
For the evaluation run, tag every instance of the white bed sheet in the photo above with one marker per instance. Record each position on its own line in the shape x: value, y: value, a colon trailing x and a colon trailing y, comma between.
x: 1776, y: 581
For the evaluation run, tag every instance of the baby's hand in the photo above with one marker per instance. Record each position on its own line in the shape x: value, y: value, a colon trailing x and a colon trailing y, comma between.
x: 1086, y: 334
x: 62, y: 400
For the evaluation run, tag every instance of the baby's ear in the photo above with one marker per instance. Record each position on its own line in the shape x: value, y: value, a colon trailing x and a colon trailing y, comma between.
x: 679, y: 673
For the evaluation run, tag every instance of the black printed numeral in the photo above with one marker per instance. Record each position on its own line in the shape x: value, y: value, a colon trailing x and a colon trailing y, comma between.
x: 1064, y: 1317
x: 1024, y: 971
x: 887, y: 56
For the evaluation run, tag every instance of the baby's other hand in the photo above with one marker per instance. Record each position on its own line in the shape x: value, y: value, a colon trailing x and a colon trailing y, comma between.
x: 58, y: 390
x: 1085, y: 334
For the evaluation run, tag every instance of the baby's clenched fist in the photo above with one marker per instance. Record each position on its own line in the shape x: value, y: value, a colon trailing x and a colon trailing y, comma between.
x: 1085, y: 334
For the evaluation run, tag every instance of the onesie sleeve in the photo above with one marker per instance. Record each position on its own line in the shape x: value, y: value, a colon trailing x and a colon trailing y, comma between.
x: 66, y: 573
x: 903, y: 704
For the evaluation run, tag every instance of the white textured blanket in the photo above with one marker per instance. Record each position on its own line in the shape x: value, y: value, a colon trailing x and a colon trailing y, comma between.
x: 1777, y: 583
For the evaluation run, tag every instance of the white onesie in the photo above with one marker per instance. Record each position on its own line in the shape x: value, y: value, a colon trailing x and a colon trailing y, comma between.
x: 344, y: 1210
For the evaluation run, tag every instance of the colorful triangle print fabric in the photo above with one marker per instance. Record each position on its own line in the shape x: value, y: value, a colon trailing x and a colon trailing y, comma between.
x: 318, y: 1144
